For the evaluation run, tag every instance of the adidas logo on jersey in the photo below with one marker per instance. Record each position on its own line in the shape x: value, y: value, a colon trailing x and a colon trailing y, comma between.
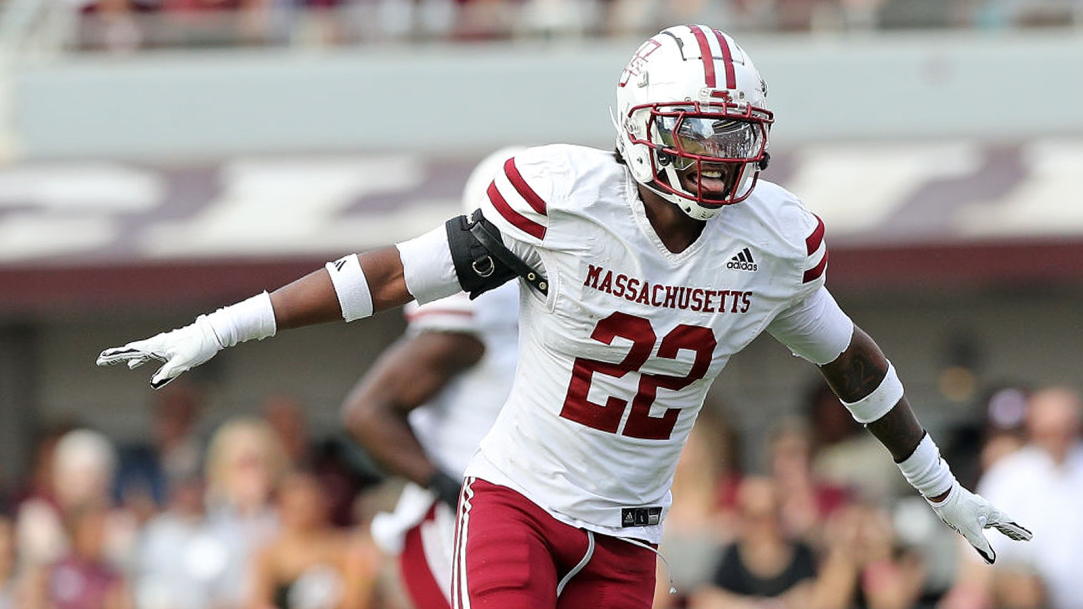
x: 742, y: 261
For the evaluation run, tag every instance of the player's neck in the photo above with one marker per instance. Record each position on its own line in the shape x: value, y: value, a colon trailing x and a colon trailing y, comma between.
x: 675, y: 228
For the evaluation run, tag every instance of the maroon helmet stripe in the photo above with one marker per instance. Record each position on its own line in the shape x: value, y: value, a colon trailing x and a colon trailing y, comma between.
x: 816, y: 271
x: 816, y: 238
x: 523, y: 188
x: 727, y: 59
x: 705, y: 54
x: 517, y: 220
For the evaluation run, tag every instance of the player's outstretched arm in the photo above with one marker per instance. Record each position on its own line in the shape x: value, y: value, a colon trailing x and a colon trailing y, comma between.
x: 349, y: 288
x: 409, y: 374
x: 867, y: 384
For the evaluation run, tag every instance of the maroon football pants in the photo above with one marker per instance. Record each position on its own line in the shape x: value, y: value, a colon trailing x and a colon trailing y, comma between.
x: 511, y: 553
x: 423, y: 564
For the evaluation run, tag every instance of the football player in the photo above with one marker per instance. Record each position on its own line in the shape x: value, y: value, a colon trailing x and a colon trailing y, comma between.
x: 642, y: 271
x: 424, y: 406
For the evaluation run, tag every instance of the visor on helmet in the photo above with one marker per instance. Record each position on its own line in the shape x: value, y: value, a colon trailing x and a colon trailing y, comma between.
x: 692, y: 138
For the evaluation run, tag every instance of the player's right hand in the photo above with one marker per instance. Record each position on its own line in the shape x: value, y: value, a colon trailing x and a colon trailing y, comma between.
x: 181, y: 350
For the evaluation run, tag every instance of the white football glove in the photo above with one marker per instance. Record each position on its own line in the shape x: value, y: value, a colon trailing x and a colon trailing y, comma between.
x: 181, y: 350
x: 968, y: 514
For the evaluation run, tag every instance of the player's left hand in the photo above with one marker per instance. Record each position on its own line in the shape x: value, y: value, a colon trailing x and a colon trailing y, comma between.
x: 446, y: 487
x: 968, y: 514
x: 181, y: 350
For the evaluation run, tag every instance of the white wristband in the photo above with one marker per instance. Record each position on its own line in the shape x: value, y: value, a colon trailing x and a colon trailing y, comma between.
x: 249, y: 319
x: 880, y: 401
x: 926, y: 471
x: 351, y: 286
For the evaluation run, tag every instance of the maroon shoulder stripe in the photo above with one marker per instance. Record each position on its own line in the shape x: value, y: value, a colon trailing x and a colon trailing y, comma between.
x: 517, y: 219
x: 705, y: 54
x: 727, y: 60
x: 524, y: 189
x: 816, y: 271
x: 812, y: 243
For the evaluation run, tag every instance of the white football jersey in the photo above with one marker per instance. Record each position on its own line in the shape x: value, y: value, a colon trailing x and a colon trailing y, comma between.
x: 615, y: 362
x: 451, y: 425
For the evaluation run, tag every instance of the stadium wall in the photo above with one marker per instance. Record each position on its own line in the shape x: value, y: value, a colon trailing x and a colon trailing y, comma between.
x: 442, y: 99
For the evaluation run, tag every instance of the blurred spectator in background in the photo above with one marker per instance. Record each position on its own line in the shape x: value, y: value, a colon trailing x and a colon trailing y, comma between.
x: 220, y: 22
x: 286, y: 416
x: 633, y: 17
x: 128, y: 25
x: 114, y: 25
x: 865, y: 566
x: 41, y: 483
x: 38, y: 532
x: 763, y: 568
x: 8, y: 565
x: 844, y: 455
x: 328, y: 458
x: 483, y: 19
x: 994, y: 430
x: 84, y: 577
x: 83, y: 466
x: 697, y: 527
x: 244, y: 465
x: 1042, y: 481
x: 805, y: 501
x: 169, y: 567
x: 310, y: 564
x: 862, y: 564
x: 172, y: 452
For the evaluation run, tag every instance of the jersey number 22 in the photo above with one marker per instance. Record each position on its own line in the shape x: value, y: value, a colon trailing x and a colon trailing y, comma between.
x: 606, y: 417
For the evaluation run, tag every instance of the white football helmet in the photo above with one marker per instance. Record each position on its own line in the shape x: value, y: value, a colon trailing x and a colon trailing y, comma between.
x: 691, y: 106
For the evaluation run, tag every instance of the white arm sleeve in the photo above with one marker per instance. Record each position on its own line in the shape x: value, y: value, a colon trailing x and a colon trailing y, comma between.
x: 427, y: 266
x: 815, y: 328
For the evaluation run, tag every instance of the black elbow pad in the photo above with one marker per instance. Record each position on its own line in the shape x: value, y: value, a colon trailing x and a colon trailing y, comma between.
x: 482, y: 261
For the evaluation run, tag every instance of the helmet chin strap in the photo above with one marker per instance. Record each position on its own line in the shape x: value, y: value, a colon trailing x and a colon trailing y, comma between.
x: 668, y: 196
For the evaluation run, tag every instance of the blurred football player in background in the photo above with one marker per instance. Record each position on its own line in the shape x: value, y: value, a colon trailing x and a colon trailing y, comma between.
x: 643, y: 271
x: 422, y: 409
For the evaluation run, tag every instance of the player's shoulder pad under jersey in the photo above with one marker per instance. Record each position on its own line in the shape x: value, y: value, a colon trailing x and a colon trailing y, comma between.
x: 523, y: 194
x: 482, y: 261
x: 802, y: 230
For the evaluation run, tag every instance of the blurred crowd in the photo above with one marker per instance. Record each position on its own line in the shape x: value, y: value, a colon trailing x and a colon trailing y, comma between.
x: 121, y: 25
x: 255, y: 513
x: 252, y: 512
x: 828, y: 522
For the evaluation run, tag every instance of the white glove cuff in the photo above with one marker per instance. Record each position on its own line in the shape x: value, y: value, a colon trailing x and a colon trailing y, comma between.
x: 249, y: 319
x: 880, y: 401
x: 351, y: 286
x: 926, y: 471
